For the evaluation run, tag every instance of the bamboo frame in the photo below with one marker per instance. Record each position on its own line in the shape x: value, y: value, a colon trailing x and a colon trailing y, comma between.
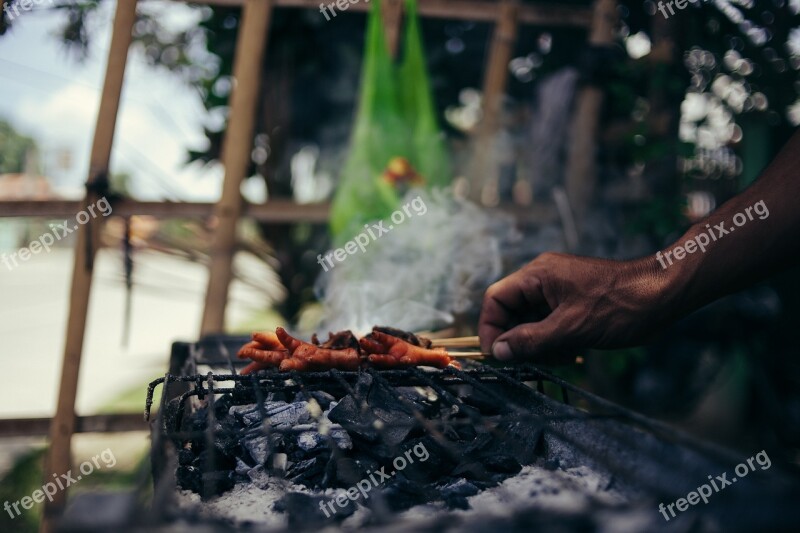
x: 392, y: 14
x: 546, y: 14
x: 504, y: 37
x: 581, y: 172
x: 250, y: 45
x: 277, y: 211
x: 112, y: 423
x: 58, y: 458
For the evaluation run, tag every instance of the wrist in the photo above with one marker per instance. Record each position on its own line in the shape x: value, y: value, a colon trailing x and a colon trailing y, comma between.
x: 663, y: 287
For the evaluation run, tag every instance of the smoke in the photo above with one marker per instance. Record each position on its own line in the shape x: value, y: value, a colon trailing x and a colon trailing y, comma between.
x: 423, y: 272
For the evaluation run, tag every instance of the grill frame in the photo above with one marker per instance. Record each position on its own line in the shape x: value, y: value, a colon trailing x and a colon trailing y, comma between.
x: 663, y: 462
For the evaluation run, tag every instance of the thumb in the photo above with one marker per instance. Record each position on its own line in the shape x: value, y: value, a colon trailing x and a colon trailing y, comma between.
x: 537, y: 342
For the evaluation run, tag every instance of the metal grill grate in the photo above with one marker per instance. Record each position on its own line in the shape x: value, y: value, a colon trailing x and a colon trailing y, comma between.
x: 640, y: 457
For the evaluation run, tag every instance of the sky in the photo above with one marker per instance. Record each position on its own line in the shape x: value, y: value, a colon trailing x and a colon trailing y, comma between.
x: 49, y: 95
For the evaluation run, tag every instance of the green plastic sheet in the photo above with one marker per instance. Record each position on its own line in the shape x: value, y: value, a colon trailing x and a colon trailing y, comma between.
x: 395, y: 119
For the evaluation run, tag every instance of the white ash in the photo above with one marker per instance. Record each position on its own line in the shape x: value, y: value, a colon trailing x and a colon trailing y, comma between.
x: 244, y: 503
x: 575, y: 490
x: 571, y: 491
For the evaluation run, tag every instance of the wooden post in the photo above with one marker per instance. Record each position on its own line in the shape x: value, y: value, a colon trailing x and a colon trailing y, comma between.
x: 250, y: 45
x: 484, y: 172
x: 58, y: 460
x: 581, y: 172
x: 392, y: 13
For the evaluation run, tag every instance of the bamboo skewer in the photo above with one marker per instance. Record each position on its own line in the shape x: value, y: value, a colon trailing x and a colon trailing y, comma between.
x: 469, y: 355
x: 457, y: 342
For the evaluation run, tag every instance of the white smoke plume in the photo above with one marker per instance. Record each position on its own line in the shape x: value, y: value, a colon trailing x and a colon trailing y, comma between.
x: 421, y: 273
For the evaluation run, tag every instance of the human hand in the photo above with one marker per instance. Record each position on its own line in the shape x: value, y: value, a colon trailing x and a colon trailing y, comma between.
x: 558, y: 304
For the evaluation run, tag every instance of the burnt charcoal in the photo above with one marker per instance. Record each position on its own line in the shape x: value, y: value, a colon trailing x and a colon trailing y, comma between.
x: 466, y: 432
x: 459, y: 487
x: 222, y: 405
x: 401, y: 494
x: 550, y: 464
x: 239, y: 412
x: 308, y: 472
x: 258, y: 476
x: 518, y: 439
x: 501, y: 463
x: 380, y: 399
x: 350, y: 470
x: 283, y: 416
x: 341, y: 438
x: 481, y: 442
x: 278, y: 463
x: 258, y: 448
x: 395, y: 427
x: 279, y: 396
x: 483, y: 403
x: 215, y: 483
x: 487, y: 483
x: 322, y: 398
x: 472, y: 470
x: 241, y: 467
x: 385, y: 421
x: 199, y: 421
x: 226, y: 438
x: 304, y: 511
x: 185, y: 457
x: 310, y: 440
x: 363, y: 384
x: 347, y: 413
x: 188, y: 478
x: 248, y: 417
x: 436, y: 465
x: 456, y: 502
x: 212, y: 460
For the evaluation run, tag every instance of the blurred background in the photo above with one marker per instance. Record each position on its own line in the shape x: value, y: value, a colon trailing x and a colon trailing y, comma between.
x: 670, y: 117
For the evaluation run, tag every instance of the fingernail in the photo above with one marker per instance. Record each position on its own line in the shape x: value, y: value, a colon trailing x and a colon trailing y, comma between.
x: 502, y: 351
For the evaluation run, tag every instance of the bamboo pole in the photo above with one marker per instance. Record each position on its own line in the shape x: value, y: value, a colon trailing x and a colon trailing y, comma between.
x: 545, y: 14
x: 250, y: 46
x: 581, y: 172
x: 58, y: 458
x: 392, y: 14
x: 483, y: 172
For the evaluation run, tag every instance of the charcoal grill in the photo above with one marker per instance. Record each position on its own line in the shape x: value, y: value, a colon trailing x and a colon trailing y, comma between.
x: 539, y: 428
x: 540, y: 419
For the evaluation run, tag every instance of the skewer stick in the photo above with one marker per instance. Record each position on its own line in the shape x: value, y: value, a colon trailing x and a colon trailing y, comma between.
x: 468, y: 355
x: 458, y: 342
